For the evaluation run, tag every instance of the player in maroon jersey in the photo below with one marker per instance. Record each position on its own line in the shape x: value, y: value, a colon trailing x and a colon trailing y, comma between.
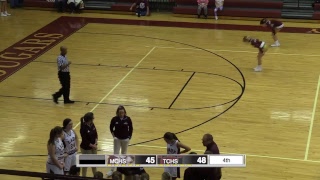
x: 262, y: 49
x: 275, y: 26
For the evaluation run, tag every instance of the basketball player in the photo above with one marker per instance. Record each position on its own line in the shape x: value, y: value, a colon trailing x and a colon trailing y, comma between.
x: 173, y: 147
x: 71, y: 145
x: 219, y: 6
x: 4, y: 8
x: 262, y: 49
x: 55, y: 162
x: 275, y: 26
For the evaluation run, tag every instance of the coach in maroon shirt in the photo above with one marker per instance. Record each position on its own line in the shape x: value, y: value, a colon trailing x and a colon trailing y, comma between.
x: 121, y: 129
x: 89, y: 137
x: 211, y: 173
x: 212, y: 147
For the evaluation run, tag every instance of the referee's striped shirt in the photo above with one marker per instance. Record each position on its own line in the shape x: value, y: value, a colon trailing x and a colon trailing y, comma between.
x: 62, y: 60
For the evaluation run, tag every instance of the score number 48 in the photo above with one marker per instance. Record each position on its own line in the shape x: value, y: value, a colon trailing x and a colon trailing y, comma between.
x: 202, y: 160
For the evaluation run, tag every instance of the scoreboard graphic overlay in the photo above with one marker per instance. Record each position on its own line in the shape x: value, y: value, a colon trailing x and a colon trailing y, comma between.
x: 165, y: 160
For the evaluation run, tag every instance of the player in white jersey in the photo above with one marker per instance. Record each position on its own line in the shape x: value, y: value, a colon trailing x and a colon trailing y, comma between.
x: 218, y: 6
x: 173, y: 147
x: 71, y: 144
x: 55, y: 162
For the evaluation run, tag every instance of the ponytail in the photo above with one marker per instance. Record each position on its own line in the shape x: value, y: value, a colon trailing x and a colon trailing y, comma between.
x: 51, y: 137
x: 175, y: 137
x: 170, y: 136
x: 86, y: 118
x: 81, y: 121
x: 66, y: 122
x: 53, y: 134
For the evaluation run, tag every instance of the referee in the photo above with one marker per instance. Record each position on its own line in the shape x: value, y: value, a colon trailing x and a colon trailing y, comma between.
x: 64, y: 77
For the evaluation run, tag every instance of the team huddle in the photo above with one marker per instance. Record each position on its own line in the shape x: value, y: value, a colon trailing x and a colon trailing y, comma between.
x: 275, y: 27
x: 63, y: 147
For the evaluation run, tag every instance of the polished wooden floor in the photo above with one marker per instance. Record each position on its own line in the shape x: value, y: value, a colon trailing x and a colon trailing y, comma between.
x: 270, y: 123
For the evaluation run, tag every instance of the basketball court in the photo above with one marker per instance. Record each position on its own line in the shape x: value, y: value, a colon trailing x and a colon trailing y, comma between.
x: 188, y: 80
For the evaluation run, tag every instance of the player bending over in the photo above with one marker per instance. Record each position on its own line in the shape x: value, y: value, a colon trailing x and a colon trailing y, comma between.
x: 262, y: 49
x: 314, y: 31
x: 275, y: 27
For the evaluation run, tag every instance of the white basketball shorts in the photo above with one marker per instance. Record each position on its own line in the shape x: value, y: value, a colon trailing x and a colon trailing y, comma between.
x: 69, y: 161
x: 53, y: 169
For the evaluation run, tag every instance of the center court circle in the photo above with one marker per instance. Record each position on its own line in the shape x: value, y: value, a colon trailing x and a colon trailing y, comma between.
x: 232, y: 102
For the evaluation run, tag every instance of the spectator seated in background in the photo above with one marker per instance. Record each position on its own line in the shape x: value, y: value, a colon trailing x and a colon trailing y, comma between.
x: 134, y: 173
x: 315, y: 2
x: 142, y: 8
x: 75, y: 5
x: 74, y: 171
x: 166, y: 176
x: 98, y: 175
x: 60, y: 5
x: 203, y: 4
x: 116, y: 175
x: 144, y: 176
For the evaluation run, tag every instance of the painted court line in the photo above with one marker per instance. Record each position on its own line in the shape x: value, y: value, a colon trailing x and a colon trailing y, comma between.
x: 248, y: 155
x: 118, y: 83
x: 233, y: 51
x: 312, y: 119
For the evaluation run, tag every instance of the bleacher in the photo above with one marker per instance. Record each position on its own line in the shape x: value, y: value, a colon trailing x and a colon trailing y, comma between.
x: 316, y: 13
x: 237, y: 8
x: 232, y: 8
x: 39, y: 4
x: 122, y: 5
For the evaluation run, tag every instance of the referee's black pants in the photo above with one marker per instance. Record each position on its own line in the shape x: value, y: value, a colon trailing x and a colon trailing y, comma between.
x: 64, y: 78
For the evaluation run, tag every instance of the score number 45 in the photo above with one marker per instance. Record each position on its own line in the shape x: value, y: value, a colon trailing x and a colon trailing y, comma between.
x: 151, y: 160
